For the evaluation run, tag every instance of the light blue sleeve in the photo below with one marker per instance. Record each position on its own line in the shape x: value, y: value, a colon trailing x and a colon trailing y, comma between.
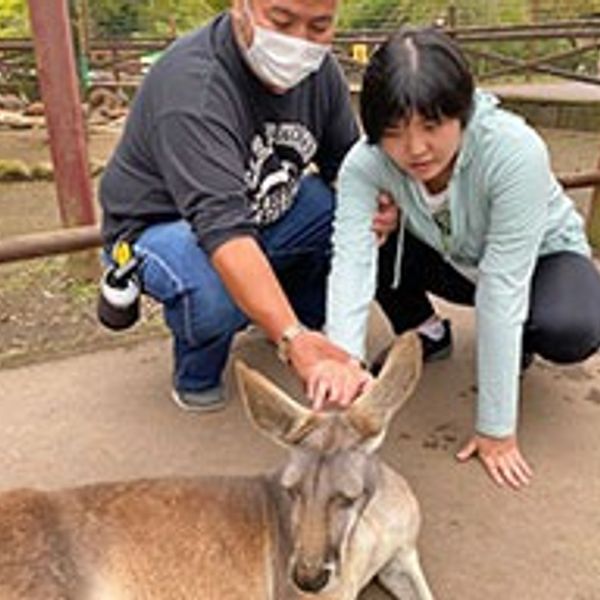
x: 519, y: 182
x: 352, y: 280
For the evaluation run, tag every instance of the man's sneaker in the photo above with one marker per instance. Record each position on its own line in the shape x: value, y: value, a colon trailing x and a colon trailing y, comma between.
x: 202, y: 401
x: 437, y: 349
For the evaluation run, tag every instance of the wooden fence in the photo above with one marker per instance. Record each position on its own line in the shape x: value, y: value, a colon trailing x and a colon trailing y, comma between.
x: 489, y: 49
x: 572, y: 53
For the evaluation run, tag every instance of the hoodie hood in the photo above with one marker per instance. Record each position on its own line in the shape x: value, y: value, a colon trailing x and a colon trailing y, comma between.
x: 483, y: 104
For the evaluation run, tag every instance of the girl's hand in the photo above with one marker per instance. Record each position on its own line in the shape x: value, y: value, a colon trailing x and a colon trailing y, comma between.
x: 501, y: 458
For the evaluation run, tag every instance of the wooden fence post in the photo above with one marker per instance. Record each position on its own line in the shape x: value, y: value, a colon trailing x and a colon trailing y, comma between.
x: 452, y: 17
x: 57, y: 75
x: 593, y: 219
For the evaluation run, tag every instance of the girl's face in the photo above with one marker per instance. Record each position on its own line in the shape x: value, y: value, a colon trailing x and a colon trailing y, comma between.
x: 424, y: 149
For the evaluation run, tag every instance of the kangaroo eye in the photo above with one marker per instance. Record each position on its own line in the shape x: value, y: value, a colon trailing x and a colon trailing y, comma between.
x: 344, y: 501
x: 293, y: 492
x: 350, y: 486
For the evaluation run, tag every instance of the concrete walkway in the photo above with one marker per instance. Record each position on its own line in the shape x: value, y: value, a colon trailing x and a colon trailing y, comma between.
x: 107, y: 416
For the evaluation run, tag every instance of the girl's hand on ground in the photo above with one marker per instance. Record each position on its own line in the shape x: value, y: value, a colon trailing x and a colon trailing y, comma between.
x: 500, y: 457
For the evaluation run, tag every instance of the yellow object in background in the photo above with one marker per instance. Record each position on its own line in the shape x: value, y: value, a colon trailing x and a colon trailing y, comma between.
x: 360, y: 53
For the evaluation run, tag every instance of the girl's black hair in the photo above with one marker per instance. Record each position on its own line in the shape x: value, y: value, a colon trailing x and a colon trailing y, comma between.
x: 416, y: 70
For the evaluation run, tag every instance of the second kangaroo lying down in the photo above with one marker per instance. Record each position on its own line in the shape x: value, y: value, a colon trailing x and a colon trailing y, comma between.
x: 331, y: 519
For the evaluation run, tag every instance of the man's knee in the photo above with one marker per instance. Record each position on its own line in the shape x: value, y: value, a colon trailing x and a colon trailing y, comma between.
x: 200, y: 315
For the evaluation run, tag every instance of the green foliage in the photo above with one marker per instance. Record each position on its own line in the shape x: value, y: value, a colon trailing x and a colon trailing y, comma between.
x: 164, y: 17
x: 386, y: 14
x: 14, y: 21
x: 358, y: 14
x: 152, y: 17
x: 114, y: 18
x: 562, y: 9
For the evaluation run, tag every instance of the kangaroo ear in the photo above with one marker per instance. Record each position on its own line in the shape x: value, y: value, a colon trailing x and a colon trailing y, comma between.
x: 371, y: 412
x: 271, y: 409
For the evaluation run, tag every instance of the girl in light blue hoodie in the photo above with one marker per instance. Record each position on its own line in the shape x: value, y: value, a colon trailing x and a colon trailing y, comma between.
x: 483, y: 221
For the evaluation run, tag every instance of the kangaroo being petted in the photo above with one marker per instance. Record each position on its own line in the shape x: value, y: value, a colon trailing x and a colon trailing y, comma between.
x: 321, y: 527
x: 350, y: 516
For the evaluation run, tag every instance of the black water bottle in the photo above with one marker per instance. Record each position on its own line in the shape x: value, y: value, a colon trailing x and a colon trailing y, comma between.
x: 120, y: 291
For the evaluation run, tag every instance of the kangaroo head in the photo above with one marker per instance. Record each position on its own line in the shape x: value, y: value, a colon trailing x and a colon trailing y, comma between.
x: 332, y: 471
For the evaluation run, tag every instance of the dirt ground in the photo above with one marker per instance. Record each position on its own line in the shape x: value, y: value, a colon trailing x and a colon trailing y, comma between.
x: 46, y: 308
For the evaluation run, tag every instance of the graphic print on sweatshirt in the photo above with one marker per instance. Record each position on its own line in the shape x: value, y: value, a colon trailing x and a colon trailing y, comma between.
x: 278, y: 157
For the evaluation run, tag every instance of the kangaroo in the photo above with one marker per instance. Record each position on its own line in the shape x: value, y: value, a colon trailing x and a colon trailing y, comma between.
x: 321, y: 527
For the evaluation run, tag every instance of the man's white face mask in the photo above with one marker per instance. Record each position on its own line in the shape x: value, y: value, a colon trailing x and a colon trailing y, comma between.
x: 281, y: 60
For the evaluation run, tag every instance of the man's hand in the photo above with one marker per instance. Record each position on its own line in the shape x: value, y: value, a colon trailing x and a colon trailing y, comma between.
x: 249, y: 278
x: 385, y: 220
x: 331, y: 376
x: 501, y: 458
x: 334, y: 383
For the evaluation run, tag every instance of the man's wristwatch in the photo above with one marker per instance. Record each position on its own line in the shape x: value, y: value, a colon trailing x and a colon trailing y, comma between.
x: 288, y: 335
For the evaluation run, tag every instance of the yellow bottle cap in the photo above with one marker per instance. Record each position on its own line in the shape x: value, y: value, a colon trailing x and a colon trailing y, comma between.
x: 122, y: 253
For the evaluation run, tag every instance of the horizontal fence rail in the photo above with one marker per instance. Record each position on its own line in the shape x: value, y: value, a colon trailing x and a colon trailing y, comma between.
x: 49, y: 243
x: 557, y: 29
x: 108, y: 44
x: 73, y: 239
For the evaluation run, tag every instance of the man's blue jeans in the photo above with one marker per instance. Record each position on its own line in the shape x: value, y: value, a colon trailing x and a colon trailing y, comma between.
x: 198, y: 309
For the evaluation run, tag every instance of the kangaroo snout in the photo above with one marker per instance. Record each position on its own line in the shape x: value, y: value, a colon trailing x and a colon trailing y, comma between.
x: 311, y: 578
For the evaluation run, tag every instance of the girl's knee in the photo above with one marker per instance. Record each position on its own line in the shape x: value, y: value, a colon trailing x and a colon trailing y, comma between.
x: 569, y: 344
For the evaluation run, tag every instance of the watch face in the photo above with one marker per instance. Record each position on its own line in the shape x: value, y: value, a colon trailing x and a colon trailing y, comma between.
x: 288, y: 335
x: 283, y: 349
